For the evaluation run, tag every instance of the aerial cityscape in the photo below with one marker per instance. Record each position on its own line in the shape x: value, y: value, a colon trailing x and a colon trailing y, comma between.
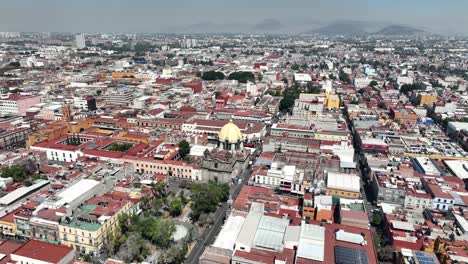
x: 221, y: 138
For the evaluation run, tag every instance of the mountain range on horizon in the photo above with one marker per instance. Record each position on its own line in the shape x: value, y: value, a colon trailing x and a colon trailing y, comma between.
x: 275, y: 26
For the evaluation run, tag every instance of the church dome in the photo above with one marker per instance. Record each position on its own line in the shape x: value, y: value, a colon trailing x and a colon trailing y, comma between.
x: 230, y: 133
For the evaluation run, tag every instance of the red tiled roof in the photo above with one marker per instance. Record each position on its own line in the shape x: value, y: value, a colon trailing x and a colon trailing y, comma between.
x: 8, y: 247
x: 48, y: 214
x: 43, y: 251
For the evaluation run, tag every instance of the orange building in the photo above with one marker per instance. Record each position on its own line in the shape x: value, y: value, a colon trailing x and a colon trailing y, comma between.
x: 57, y: 129
x: 308, y: 210
x: 445, y: 248
x: 140, y: 137
x: 427, y: 99
x: 117, y: 75
x: 404, y: 116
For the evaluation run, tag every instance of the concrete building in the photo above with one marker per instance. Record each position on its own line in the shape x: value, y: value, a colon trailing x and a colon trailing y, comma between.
x: 88, y: 229
x: 454, y: 127
x: 14, y: 137
x: 418, y: 200
x: 118, y: 96
x: 343, y: 185
x: 17, y: 104
x: 75, y: 195
x: 80, y: 41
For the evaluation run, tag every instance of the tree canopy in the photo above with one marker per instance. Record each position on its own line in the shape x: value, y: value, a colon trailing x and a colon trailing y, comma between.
x: 121, y: 147
x: 408, y: 88
x: 184, y: 149
x: 206, y: 197
x: 175, y: 207
x: 344, y: 77
x: 242, y: 77
x: 290, y: 95
x: 157, y: 230
x: 382, y: 105
x: 212, y: 76
x: 17, y: 172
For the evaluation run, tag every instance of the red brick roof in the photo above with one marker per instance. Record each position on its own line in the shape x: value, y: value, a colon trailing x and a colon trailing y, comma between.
x: 8, y: 247
x: 43, y: 251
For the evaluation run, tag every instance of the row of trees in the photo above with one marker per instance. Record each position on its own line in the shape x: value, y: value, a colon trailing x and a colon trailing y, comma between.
x: 408, y: 88
x: 290, y: 94
x: 121, y: 147
x: 212, y: 76
x: 206, y: 197
x: 134, y: 236
x: 20, y: 172
x: 242, y: 77
x: 17, y: 172
x: 184, y: 149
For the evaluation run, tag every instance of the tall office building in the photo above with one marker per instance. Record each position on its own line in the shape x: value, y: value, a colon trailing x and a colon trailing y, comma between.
x: 80, y: 41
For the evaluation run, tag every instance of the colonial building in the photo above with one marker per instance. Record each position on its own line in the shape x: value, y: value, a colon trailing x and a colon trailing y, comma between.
x: 230, y: 159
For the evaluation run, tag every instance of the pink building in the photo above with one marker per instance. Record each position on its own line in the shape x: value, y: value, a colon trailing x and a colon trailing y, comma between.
x: 18, y: 104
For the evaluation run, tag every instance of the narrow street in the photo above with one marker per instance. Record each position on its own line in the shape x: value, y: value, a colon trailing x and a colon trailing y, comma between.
x: 210, y: 234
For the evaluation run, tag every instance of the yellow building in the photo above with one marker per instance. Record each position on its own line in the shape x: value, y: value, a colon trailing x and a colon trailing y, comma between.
x: 343, y: 193
x: 57, y: 129
x: 333, y: 101
x: 331, y: 135
x: 7, y: 224
x: 445, y: 248
x: 117, y: 75
x: 140, y: 138
x: 343, y: 185
x: 90, y: 228
x: 427, y: 99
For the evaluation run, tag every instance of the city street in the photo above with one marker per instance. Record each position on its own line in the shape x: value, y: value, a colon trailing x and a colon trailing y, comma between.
x: 210, y: 234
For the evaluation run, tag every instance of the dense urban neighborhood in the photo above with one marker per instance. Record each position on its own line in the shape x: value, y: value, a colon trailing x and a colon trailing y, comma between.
x: 233, y: 148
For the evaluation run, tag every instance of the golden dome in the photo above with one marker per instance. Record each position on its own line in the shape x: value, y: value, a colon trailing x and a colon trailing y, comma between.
x: 230, y: 133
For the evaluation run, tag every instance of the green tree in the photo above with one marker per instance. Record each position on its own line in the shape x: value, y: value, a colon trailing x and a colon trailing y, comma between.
x: 286, y: 103
x: 260, y: 77
x: 184, y: 149
x: 134, y: 249
x: 175, y: 207
x: 242, y: 77
x: 377, y: 219
x: 408, y: 88
x: 290, y: 95
x: 373, y: 83
x: 212, y: 76
x: 382, y: 105
x: 15, y: 64
x: 206, y: 197
x: 312, y: 89
x: 120, y: 147
x: 17, y: 172
x: 174, y: 255
x: 295, y: 67
x: 344, y: 77
x: 158, y: 231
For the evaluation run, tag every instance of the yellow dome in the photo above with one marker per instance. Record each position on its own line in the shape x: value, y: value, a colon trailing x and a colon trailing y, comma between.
x: 230, y: 133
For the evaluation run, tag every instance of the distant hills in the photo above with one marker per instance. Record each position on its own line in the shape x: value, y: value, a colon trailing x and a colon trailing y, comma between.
x: 341, y: 28
x: 275, y: 26
x: 349, y: 28
x: 268, y: 25
x: 398, y: 30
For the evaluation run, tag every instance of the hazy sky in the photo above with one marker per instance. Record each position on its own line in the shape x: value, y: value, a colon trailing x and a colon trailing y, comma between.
x: 157, y: 16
